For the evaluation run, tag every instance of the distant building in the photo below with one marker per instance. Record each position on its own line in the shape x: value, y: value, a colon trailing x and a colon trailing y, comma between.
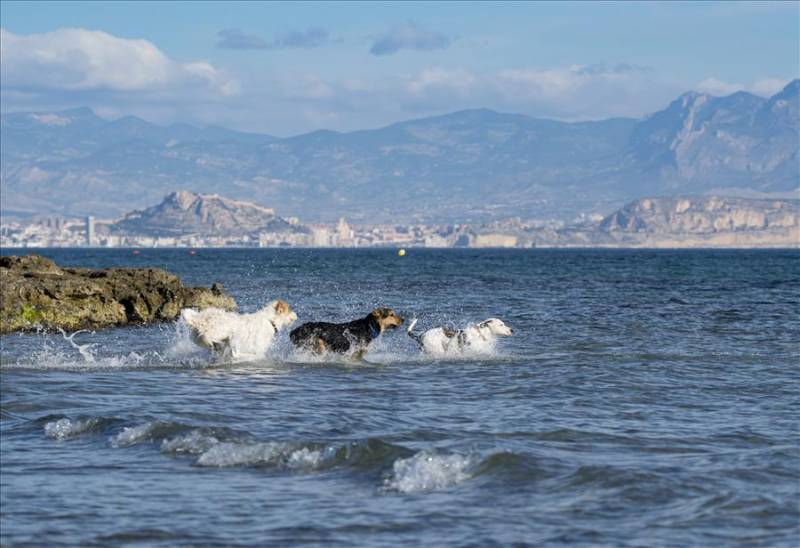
x: 90, y: 231
x: 321, y: 237
x: 494, y: 240
x: 344, y: 233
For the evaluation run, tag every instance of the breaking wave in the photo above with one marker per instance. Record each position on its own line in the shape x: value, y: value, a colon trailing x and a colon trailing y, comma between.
x: 64, y: 428
x: 399, y: 469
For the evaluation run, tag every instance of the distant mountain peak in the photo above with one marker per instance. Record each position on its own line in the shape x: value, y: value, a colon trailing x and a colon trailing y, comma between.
x: 792, y: 88
x: 183, y: 199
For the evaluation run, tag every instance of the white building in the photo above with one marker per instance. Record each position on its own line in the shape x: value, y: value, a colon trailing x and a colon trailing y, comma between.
x: 90, y: 241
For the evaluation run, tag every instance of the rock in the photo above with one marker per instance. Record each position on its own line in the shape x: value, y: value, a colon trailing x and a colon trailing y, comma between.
x: 37, y: 292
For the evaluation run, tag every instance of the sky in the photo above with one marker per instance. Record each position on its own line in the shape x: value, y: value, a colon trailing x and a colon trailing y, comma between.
x: 290, y: 68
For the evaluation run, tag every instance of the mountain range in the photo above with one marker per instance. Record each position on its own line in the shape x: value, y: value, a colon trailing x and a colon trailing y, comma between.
x: 466, y: 166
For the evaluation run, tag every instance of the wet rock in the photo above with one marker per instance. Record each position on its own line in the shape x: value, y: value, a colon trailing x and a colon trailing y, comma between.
x: 34, y: 292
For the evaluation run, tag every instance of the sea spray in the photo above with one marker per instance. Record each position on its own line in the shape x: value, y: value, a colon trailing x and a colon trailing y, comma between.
x: 428, y: 472
x: 85, y: 350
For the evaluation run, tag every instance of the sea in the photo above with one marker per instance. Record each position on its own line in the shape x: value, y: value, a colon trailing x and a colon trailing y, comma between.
x: 645, y: 398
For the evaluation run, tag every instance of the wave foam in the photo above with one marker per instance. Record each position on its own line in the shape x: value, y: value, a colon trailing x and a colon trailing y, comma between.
x: 427, y: 472
x: 193, y: 443
x: 265, y: 454
x: 62, y: 429
x: 131, y: 435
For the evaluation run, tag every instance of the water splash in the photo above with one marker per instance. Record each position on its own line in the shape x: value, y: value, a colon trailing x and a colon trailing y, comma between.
x: 428, y: 472
x: 83, y: 349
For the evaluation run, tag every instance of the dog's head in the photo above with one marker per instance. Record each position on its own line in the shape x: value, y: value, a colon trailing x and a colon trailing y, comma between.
x: 496, y: 327
x: 386, y: 318
x: 281, y: 313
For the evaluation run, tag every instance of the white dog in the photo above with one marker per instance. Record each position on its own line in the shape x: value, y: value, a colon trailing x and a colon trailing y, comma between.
x: 441, y: 341
x: 238, y: 336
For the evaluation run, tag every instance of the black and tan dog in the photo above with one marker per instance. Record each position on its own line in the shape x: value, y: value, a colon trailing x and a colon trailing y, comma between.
x: 355, y: 336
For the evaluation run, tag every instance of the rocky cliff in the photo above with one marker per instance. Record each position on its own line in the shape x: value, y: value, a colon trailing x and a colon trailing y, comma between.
x: 38, y: 293
x: 688, y: 221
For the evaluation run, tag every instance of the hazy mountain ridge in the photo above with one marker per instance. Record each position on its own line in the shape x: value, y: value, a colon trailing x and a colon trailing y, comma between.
x: 686, y: 221
x: 465, y: 166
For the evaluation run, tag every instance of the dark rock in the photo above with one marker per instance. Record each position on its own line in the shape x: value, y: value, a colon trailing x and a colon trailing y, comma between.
x: 37, y: 292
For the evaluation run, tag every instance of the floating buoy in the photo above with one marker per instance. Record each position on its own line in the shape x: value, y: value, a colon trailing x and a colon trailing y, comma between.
x: 192, y: 252
x: 401, y: 252
x: 135, y: 251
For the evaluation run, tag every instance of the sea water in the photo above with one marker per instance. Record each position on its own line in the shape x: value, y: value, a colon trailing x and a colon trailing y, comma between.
x: 645, y: 398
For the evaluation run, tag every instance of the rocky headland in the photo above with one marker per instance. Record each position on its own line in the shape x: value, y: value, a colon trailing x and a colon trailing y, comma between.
x: 37, y: 293
x: 687, y: 222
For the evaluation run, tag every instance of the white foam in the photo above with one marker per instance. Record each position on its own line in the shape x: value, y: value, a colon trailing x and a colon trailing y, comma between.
x: 65, y: 428
x: 304, y: 458
x: 132, y: 435
x: 269, y: 453
x: 428, y: 472
x: 193, y: 443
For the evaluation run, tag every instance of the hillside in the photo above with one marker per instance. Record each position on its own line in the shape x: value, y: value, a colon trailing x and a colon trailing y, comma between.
x: 183, y: 212
x: 466, y: 166
x: 687, y: 221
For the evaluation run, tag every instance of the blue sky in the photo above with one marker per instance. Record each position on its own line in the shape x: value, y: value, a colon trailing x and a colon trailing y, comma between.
x: 287, y: 68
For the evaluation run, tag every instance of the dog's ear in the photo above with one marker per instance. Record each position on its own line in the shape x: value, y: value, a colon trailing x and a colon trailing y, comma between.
x: 380, y: 313
x: 282, y: 307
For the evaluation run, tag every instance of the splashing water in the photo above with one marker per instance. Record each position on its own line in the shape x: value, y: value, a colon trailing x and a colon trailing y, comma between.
x: 427, y: 472
x: 83, y: 349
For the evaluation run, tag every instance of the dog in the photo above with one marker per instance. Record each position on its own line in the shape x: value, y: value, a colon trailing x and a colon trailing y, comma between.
x: 341, y: 338
x: 238, y: 336
x: 441, y: 341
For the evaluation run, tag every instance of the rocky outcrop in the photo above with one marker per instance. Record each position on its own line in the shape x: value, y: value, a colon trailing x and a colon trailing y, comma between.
x: 38, y: 293
x: 703, y: 215
x: 183, y: 212
x: 687, y: 222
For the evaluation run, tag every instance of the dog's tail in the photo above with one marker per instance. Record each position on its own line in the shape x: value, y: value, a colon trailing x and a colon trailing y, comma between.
x: 411, y: 334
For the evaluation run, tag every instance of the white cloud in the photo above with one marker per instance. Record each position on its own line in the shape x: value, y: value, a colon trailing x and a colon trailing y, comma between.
x: 118, y: 76
x: 765, y: 87
x: 576, y: 91
x: 456, y: 80
x: 74, y: 59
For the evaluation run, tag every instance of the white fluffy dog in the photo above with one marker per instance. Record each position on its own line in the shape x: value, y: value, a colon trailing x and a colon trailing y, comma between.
x: 480, y: 338
x: 235, y: 336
